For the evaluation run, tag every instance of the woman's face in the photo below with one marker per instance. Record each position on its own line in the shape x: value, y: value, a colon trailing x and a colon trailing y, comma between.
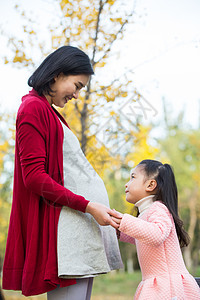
x: 66, y: 87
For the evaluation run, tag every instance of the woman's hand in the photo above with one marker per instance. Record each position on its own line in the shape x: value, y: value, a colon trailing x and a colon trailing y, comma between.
x: 104, y: 215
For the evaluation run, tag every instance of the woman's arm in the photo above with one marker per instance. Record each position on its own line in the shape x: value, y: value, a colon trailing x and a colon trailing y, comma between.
x: 32, y: 151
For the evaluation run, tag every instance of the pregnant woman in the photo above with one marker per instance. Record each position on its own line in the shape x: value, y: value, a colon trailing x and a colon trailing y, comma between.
x: 58, y: 240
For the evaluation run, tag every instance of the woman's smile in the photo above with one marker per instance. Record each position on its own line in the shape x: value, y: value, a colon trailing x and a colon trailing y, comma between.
x: 65, y: 88
x: 67, y: 99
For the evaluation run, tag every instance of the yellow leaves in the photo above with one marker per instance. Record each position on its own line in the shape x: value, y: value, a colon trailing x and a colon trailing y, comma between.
x: 117, y: 20
x: 99, y: 157
x: 6, y: 61
x: 124, y: 94
x: 112, y: 113
x: 4, y: 221
x: 100, y: 64
x: 111, y: 2
x: 78, y: 13
x: 129, y: 208
x: 57, y: 40
x: 6, y: 154
x: 19, y: 54
x: 63, y: 4
x: 4, y: 147
x: 89, y: 43
x: 196, y: 177
x: 110, y: 93
x: 142, y: 149
x: 3, y: 151
x: 113, y: 36
x: 29, y: 31
x: 20, y: 57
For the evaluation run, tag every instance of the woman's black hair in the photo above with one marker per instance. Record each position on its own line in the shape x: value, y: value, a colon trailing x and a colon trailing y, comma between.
x: 166, y: 191
x: 67, y: 60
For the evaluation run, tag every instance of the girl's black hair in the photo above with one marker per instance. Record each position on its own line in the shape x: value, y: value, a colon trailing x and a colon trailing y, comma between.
x: 166, y: 192
x: 67, y: 60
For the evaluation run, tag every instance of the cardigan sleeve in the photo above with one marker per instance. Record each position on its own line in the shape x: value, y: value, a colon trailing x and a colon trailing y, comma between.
x: 154, y: 231
x: 126, y: 238
x: 30, y: 136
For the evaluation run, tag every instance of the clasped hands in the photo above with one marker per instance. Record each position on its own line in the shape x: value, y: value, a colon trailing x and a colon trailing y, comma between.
x: 104, y: 215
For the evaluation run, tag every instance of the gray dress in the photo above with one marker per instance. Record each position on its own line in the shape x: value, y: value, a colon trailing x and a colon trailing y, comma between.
x: 85, y: 249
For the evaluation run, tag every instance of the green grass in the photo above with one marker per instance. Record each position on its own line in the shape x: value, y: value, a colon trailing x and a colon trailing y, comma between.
x: 116, y: 283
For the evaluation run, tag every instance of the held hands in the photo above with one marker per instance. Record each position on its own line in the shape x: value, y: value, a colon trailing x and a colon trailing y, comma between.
x: 104, y: 215
x: 118, y: 219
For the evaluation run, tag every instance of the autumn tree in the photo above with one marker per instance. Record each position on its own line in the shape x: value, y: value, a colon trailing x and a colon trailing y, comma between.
x: 98, y: 28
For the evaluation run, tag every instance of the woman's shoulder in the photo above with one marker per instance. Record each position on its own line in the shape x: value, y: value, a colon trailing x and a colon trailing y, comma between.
x: 32, y: 103
x: 34, y: 110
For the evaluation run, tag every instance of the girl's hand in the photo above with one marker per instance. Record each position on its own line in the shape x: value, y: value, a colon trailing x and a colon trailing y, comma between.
x: 103, y: 215
x: 118, y: 219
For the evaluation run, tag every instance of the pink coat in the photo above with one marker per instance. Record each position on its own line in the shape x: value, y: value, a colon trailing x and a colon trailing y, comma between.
x: 164, y: 275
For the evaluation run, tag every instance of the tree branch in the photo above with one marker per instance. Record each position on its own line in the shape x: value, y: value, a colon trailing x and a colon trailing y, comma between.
x: 77, y: 108
x: 112, y: 42
x: 97, y: 30
x: 112, y: 82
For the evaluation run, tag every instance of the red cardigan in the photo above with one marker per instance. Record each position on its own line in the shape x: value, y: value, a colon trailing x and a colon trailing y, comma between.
x: 30, y: 263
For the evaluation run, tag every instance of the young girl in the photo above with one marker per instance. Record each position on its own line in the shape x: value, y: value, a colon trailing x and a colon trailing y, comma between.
x: 158, y: 234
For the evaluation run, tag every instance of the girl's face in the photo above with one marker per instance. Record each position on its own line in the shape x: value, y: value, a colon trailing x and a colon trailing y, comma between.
x: 137, y: 187
x: 66, y: 88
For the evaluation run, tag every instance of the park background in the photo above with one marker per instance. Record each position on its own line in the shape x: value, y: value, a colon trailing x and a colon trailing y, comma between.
x: 142, y: 102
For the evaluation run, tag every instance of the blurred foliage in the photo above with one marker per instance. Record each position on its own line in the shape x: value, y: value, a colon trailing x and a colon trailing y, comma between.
x: 182, y: 147
x: 6, y: 174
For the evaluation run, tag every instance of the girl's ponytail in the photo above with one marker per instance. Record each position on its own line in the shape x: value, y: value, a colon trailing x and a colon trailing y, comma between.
x: 167, y: 193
